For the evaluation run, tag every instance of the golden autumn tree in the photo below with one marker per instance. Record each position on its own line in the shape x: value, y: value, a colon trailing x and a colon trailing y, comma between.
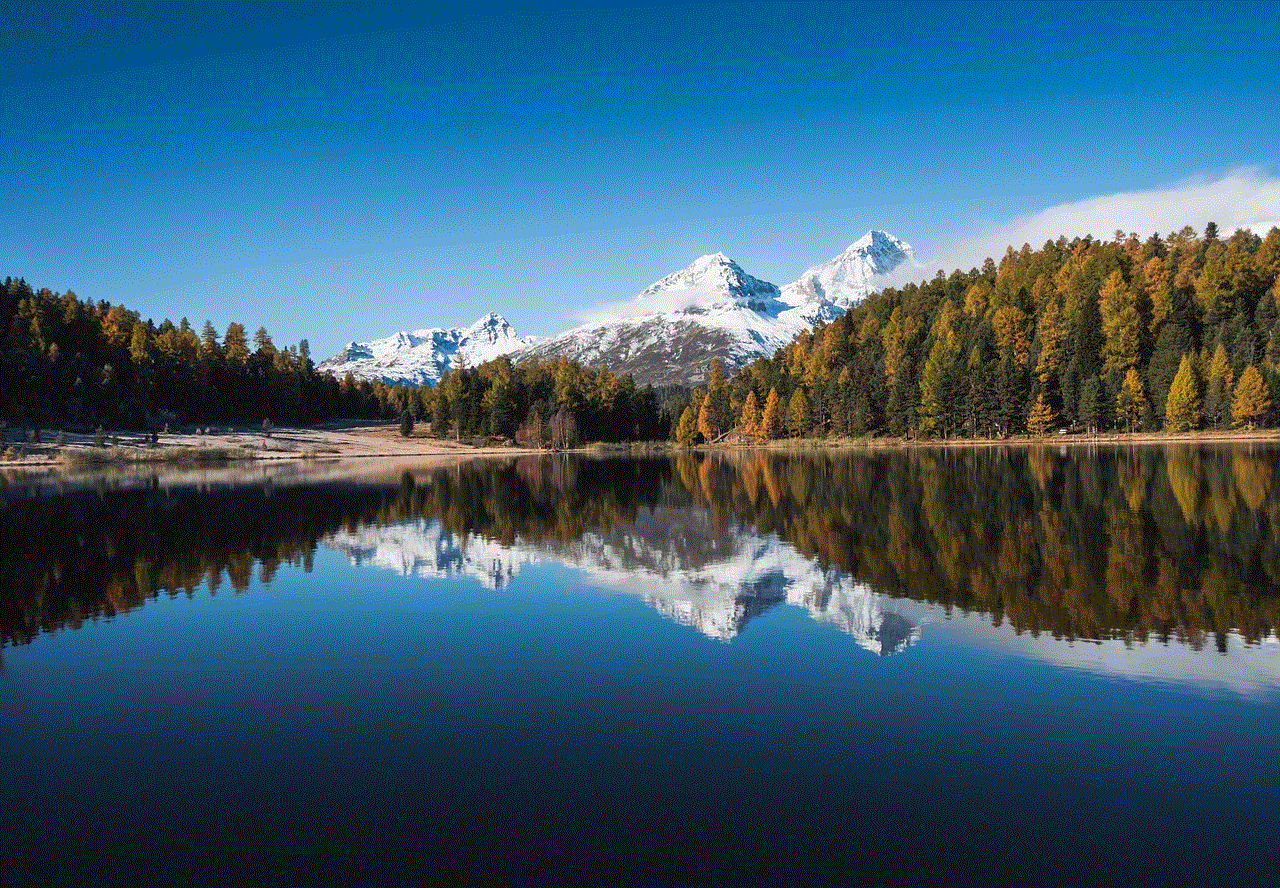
x: 1131, y: 400
x: 798, y: 413
x: 771, y: 419
x: 1042, y: 417
x: 750, y: 420
x: 1182, y: 408
x: 1252, y: 398
x: 1118, y: 308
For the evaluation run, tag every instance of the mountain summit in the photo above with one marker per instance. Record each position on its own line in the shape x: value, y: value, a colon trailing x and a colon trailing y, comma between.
x: 713, y: 309
x: 834, y: 286
x: 667, y: 334
x: 421, y: 357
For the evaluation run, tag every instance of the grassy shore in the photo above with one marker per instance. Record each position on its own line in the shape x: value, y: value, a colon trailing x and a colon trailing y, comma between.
x: 93, y: 456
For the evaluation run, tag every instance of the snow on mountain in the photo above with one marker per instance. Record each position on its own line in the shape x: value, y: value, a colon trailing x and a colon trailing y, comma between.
x: 674, y: 328
x: 421, y: 357
x: 668, y: 334
x: 679, y: 564
x: 831, y: 288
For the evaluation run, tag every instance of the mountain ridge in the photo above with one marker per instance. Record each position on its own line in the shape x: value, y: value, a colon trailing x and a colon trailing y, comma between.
x: 667, y: 334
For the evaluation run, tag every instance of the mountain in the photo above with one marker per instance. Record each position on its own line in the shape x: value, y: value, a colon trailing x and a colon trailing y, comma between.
x: 835, y: 286
x: 668, y: 334
x: 421, y: 357
x: 673, y: 329
x: 710, y: 579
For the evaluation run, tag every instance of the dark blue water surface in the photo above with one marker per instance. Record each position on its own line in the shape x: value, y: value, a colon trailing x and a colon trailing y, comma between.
x: 604, y: 671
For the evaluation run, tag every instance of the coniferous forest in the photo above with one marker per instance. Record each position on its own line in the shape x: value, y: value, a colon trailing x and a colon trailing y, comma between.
x: 1176, y: 332
x: 1173, y: 332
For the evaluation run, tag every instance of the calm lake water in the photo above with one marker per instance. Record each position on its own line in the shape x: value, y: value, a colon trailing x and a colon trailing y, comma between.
x: 961, y: 665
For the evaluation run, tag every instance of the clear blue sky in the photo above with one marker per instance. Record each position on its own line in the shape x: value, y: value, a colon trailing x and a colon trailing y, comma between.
x: 342, y: 172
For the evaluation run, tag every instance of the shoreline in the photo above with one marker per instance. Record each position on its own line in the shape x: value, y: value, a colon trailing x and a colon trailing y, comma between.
x: 364, y: 440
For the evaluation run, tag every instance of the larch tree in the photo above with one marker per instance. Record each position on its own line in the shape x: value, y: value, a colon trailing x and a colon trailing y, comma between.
x: 750, y: 420
x: 1182, y: 407
x: 771, y: 419
x: 1131, y: 400
x: 798, y: 413
x: 1118, y: 308
x: 1252, y: 398
x: 1042, y: 417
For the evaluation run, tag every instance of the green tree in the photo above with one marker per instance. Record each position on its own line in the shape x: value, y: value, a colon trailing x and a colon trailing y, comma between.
x: 406, y: 424
x: 1090, y: 411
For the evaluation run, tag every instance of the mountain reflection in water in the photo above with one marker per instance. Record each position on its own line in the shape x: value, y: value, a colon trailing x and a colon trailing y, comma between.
x: 1173, y: 544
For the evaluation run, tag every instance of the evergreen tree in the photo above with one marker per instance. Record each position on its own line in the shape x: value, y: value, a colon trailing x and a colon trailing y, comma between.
x: 1219, y: 383
x: 1090, y: 409
x: 1172, y: 342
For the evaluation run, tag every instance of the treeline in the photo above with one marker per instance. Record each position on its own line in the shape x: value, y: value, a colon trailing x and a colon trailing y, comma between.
x: 1175, y: 332
x: 539, y: 404
x: 65, y: 360
x: 68, y: 360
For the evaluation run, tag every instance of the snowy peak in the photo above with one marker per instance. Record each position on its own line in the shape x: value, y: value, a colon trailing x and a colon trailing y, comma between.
x: 849, y: 278
x: 713, y: 281
x: 421, y: 357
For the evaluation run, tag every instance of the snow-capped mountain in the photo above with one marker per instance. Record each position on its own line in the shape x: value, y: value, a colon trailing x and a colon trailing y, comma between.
x: 675, y: 560
x: 421, y: 357
x: 673, y: 329
x: 669, y: 333
x: 833, y: 287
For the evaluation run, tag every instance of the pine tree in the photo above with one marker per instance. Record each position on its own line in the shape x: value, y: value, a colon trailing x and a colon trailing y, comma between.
x: 1252, y: 398
x: 1182, y: 408
x: 406, y: 424
x: 1090, y: 408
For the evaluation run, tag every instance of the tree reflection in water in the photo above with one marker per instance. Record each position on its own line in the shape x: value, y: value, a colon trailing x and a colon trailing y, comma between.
x: 1179, y: 542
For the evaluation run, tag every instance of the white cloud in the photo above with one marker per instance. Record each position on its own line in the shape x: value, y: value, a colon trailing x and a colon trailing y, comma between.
x: 1244, y: 198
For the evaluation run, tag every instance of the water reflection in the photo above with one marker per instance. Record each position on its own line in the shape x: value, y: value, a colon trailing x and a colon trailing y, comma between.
x: 1171, y: 544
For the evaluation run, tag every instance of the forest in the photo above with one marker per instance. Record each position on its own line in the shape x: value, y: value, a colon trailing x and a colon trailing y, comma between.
x: 68, y: 361
x: 1176, y: 332
x: 1168, y: 333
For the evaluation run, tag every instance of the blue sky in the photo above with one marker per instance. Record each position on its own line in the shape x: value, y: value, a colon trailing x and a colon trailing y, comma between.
x: 342, y: 172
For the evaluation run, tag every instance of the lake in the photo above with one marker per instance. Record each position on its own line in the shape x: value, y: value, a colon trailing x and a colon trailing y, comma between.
x: 961, y: 665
